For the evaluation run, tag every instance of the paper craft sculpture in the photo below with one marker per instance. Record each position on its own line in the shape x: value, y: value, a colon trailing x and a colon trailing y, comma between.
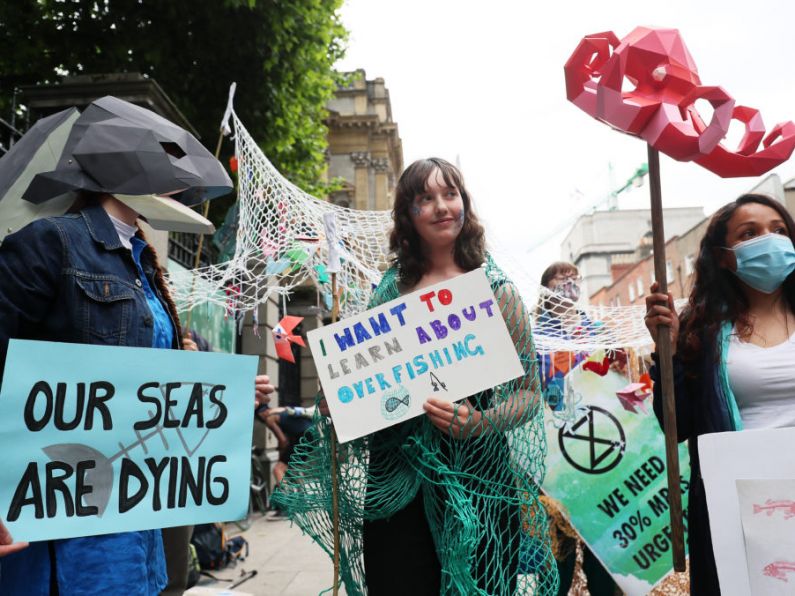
x: 647, y: 84
x: 113, y: 147
x: 283, y: 336
x: 118, y: 147
x: 634, y: 396
x: 598, y: 367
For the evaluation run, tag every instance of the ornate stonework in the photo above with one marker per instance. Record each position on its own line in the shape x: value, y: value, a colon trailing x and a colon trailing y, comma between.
x: 380, y: 164
x: 361, y: 159
x: 364, y: 144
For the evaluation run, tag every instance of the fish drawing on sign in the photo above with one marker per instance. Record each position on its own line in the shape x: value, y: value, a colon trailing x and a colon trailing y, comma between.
x: 779, y: 569
x: 395, y: 403
x: 787, y: 507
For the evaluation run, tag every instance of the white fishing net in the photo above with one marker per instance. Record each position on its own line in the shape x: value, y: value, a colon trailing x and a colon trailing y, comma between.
x: 281, y: 245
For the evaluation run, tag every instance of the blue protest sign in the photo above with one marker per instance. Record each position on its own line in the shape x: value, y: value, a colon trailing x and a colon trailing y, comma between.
x: 100, y: 439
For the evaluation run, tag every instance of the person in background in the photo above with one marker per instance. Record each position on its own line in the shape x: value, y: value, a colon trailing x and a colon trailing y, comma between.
x: 557, y: 316
x: 733, y: 346
x: 288, y: 425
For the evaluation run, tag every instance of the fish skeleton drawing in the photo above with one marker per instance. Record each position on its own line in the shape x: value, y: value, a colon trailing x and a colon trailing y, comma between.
x: 771, y: 506
x: 779, y: 569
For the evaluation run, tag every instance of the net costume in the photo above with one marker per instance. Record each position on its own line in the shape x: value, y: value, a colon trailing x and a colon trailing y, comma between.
x: 411, y: 487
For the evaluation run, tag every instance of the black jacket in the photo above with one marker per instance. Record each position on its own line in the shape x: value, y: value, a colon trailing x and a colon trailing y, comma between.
x: 700, y: 409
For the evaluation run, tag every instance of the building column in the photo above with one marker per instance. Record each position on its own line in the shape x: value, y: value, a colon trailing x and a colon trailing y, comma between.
x: 361, y: 160
x: 381, y: 167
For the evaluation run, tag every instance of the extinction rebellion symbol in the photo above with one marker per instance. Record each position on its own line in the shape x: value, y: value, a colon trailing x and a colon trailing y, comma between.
x: 594, y: 443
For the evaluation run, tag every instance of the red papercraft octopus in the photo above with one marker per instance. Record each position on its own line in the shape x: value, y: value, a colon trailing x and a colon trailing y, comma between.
x: 661, y: 107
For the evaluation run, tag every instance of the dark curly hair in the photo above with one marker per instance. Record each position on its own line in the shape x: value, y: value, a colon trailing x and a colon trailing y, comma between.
x: 717, y: 293
x: 404, y: 242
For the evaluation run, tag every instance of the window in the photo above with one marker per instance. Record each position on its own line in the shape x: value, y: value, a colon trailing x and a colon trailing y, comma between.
x: 690, y: 265
x: 639, y: 284
x: 669, y: 271
x: 631, y: 293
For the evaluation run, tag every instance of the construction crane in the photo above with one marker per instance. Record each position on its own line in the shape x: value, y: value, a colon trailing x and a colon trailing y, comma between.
x: 610, y: 199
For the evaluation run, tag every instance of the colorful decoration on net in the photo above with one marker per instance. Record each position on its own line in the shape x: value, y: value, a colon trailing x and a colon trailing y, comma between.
x: 660, y: 107
x: 283, y: 337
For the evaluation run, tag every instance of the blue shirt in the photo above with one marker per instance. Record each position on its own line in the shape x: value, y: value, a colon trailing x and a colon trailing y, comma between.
x: 163, y: 331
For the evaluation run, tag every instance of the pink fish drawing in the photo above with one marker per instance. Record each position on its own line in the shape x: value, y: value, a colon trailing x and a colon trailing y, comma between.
x: 779, y: 569
x: 772, y: 505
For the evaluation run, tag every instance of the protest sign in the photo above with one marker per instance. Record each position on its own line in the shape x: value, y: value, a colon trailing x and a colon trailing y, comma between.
x: 100, y: 439
x: 761, y: 456
x: 767, y: 510
x: 607, y: 469
x: 447, y: 341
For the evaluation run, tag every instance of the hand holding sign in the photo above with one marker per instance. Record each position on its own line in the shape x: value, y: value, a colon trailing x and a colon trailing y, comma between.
x: 377, y: 368
x: 457, y: 420
x: 7, y: 544
x: 262, y: 390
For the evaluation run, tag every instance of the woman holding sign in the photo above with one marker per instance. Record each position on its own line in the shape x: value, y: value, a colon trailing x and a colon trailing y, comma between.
x: 734, y: 345
x: 451, y: 498
x: 91, y: 277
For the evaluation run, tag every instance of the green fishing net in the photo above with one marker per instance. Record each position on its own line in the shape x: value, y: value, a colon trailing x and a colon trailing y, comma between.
x: 479, y: 491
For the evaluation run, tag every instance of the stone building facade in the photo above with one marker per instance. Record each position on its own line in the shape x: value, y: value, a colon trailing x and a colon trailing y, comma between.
x: 365, y: 149
x: 605, y: 243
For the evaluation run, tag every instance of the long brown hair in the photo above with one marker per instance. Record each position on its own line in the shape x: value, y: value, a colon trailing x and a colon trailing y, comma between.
x: 404, y: 241
x: 717, y: 294
x: 150, y: 254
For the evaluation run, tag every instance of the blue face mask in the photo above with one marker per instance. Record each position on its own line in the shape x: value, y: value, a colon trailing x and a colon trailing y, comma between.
x: 765, y: 262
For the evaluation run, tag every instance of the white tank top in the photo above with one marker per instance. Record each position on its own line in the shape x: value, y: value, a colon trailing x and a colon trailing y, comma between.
x: 763, y: 382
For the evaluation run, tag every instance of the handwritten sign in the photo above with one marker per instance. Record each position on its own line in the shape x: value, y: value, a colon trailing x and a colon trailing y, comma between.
x: 762, y: 457
x: 103, y: 439
x: 447, y: 341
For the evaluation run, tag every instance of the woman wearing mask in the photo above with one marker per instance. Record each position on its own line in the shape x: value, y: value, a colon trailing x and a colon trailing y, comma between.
x: 734, y: 345
x: 558, y: 317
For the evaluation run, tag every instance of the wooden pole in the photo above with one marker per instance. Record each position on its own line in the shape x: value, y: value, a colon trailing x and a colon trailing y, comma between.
x: 664, y: 353
x: 197, y: 257
x: 335, y: 498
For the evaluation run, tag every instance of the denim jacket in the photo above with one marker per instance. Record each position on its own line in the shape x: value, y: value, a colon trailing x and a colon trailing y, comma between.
x: 69, y: 279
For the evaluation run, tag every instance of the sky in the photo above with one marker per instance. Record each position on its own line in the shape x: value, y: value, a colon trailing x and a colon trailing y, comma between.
x: 482, y: 82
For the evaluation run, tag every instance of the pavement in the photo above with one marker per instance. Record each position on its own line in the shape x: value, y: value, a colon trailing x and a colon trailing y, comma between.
x: 287, y: 562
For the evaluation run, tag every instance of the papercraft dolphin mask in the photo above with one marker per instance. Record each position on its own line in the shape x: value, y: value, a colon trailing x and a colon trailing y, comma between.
x: 116, y: 147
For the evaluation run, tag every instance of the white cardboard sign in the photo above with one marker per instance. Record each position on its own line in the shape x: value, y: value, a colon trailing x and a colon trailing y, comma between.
x: 725, y: 459
x: 447, y: 341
